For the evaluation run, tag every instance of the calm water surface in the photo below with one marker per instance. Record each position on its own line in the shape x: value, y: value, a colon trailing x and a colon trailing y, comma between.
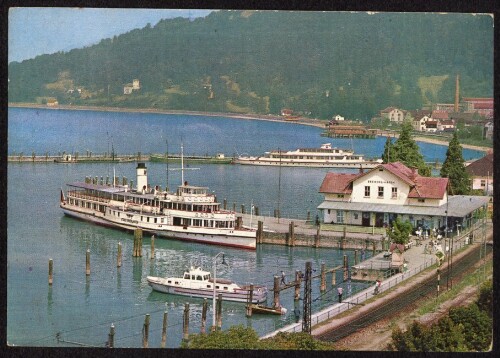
x: 82, y: 309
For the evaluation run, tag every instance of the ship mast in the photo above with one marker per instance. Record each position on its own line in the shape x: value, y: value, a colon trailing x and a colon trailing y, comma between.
x: 182, y: 164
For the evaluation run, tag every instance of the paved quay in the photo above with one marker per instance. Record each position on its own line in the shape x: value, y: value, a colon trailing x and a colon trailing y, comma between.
x: 302, y: 227
x: 417, y: 259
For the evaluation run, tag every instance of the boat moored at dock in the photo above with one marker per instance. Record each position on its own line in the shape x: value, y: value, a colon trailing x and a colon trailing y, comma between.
x: 198, y: 283
x: 324, y: 157
x: 190, y: 213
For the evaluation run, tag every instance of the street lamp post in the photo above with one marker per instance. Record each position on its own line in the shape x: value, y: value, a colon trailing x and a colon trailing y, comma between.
x: 215, y: 281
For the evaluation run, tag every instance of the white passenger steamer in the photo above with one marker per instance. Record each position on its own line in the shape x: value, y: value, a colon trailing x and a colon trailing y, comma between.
x: 198, y: 283
x: 324, y: 157
x: 190, y: 214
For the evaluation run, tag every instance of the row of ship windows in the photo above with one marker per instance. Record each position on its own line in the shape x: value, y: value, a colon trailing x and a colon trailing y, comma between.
x: 208, y: 286
x: 319, y: 158
x: 86, y: 204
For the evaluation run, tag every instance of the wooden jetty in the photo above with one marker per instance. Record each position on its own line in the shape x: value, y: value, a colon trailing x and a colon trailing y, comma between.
x: 346, y: 131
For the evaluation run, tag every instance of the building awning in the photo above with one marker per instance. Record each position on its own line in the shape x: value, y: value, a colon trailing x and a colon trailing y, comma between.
x: 458, y: 206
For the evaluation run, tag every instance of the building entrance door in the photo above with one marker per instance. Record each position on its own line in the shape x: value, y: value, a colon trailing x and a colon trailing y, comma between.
x: 379, y: 219
x: 365, y: 220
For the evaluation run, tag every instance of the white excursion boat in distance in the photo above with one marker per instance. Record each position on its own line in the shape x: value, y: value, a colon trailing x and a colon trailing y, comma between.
x: 324, y: 157
x: 190, y: 214
x: 198, y: 283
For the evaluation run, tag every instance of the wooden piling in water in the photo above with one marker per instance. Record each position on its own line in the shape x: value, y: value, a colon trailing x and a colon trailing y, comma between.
x: 152, y: 247
x: 219, y: 310
x: 256, y: 210
x: 51, y: 268
x: 276, y: 290
x: 225, y: 204
x: 322, y: 287
x: 111, y: 336
x: 345, y: 268
x: 291, y: 232
x: 234, y: 207
x: 145, y: 332
x: 355, y: 257
x: 334, y: 277
x: 119, y: 255
x: 316, y: 238
x: 185, y: 323
x: 164, y: 330
x: 298, y: 280
x: 243, y: 208
x: 137, y: 243
x: 87, y: 263
x: 249, y: 302
x: 260, y: 229
x: 204, y: 316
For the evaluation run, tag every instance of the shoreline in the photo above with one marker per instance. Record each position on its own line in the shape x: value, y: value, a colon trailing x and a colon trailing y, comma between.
x: 271, y: 118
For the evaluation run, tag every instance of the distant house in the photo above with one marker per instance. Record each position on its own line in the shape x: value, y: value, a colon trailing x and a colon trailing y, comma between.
x: 481, y: 172
x: 285, y: 112
x: 446, y: 107
x: 446, y: 125
x: 338, y: 117
x: 393, y: 114
x: 52, y: 102
x: 431, y: 126
x: 439, y: 115
x: 420, y: 119
x: 483, y: 106
x: 128, y: 88
x: 131, y: 87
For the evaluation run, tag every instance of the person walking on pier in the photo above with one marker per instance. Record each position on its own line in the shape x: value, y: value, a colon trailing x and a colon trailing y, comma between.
x: 283, y: 277
x: 340, y: 290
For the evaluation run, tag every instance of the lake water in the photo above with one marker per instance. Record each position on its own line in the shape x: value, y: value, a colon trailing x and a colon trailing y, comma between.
x: 82, y: 309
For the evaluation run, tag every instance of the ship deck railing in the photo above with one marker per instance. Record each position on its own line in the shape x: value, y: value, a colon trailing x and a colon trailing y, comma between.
x: 77, y: 194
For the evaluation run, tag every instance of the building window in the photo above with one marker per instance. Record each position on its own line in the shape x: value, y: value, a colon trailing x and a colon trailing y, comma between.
x: 340, y: 216
x: 367, y: 191
x: 340, y: 195
x: 380, y: 191
x: 421, y: 200
x: 483, y: 183
x: 394, y: 192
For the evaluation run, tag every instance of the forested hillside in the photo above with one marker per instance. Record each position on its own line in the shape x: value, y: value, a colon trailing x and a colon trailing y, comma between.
x: 319, y: 64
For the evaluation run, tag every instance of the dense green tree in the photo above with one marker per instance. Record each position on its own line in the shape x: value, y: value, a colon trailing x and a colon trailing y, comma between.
x: 485, y: 299
x: 399, y: 232
x: 454, y: 169
x: 477, y: 326
x: 236, y: 337
x: 407, y: 151
x: 239, y: 337
x: 388, y: 148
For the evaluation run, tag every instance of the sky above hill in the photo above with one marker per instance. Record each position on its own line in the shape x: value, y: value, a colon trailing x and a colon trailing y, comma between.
x: 37, y: 31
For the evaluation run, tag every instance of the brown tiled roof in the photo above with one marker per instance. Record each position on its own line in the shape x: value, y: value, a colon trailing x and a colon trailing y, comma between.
x: 482, y: 167
x: 439, y: 114
x: 419, y: 114
x: 339, y: 183
x: 387, y: 110
x: 430, y: 188
x: 420, y: 187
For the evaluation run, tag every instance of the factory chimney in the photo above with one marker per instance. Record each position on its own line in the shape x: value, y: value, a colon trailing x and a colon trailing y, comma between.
x: 457, y: 93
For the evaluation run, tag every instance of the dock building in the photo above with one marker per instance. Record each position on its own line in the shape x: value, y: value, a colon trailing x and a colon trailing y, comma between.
x: 376, y: 197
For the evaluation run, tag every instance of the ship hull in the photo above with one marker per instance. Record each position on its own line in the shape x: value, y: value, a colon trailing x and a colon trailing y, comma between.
x: 228, y: 240
x: 206, y: 293
x: 283, y: 163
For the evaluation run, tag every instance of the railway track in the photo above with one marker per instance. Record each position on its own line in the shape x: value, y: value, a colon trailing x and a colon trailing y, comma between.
x: 407, y: 300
